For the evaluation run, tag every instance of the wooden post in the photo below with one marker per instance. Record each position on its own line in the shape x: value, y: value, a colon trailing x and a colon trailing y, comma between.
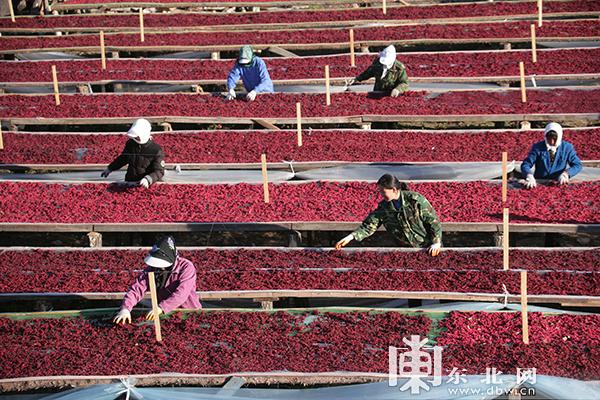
x: 155, y: 306
x: 327, y: 87
x: 299, y: 123
x: 539, y: 4
x: 533, y: 44
x: 1, y: 139
x: 102, y: 50
x: 505, y: 239
x: 55, y: 82
x: 384, y: 7
x: 524, y: 318
x: 504, y: 176
x: 263, y: 162
x: 12, y: 11
x: 142, y: 25
x: 522, y: 73
x: 352, y: 59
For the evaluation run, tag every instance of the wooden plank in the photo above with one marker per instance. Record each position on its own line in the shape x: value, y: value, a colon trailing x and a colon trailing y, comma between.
x: 282, y: 226
x: 299, y: 46
x: 154, y: 297
x: 282, y: 52
x: 266, y: 124
x: 345, y: 24
x: 339, y: 81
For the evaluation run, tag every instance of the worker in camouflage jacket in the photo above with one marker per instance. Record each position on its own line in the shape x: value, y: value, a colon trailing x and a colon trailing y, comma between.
x: 390, y: 74
x: 407, y: 215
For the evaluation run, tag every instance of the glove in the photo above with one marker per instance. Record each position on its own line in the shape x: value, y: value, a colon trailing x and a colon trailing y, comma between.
x: 124, y: 316
x: 530, y: 182
x: 251, y: 95
x: 150, y: 316
x: 344, y: 241
x: 395, y: 93
x: 563, y: 179
x: 105, y: 173
x: 145, y: 183
x: 434, y: 249
x: 231, y: 94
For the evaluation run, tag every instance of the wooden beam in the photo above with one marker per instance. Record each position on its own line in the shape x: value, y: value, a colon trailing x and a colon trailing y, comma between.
x: 282, y: 52
x: 266, y: 124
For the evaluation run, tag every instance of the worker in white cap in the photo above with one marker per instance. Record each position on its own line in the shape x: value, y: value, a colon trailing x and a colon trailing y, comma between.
x: 253, y: 72
x: 552, y: 158
x: 144, y: 157
x: 389, y: 73
x: 175, y: 279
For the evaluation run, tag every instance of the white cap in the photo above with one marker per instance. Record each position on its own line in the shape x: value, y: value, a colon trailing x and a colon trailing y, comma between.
x: 388, y: 56
x: 140, y: 131
x: 156, y: 262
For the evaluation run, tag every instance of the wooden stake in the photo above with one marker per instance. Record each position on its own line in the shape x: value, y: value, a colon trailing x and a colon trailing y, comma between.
x: 539, y: 4
x: 55, y: 82
x: 141, y: 25
x: 384, y: 7
x: 1, y: 139
x: 505, y: 239
x: 299, y: 123
x: 102, y: 50
x: 533, y: 44
x: 12, y: 11
x: 352, y: 59
x: 263, y: 162
x: 524, y: 318
x: 154, y: 306
x: 327, y: 87
x: 504, y: 176
x: 522, y: 73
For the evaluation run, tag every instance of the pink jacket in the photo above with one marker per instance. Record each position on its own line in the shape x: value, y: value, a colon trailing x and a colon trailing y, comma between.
x: 179, y: 290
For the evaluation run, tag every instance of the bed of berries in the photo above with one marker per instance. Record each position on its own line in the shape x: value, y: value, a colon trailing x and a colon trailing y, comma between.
x: 422, y: 32
x: 318, y: 145
x: 207, y: 19
x: 36, y: 271
x: 319, y: 201
x: 226, y: 342
x: 451, y: 64
x: 559, y: 345
x: 282, y: 105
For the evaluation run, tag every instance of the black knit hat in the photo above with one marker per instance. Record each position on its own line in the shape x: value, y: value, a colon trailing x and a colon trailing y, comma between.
x: 163, y: 254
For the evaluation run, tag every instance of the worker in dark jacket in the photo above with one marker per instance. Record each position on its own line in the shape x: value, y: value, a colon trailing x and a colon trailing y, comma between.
x: 144, y: 158
x: 390, y: 74
x: 407, y: 215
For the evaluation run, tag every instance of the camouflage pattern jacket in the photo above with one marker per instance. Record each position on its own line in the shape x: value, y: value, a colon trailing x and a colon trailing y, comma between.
x: 415, y: 223
x: 395, y: 78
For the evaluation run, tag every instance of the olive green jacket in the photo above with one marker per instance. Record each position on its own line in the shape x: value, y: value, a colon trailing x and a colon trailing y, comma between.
x: 395, y: 78
x: 415, y: 224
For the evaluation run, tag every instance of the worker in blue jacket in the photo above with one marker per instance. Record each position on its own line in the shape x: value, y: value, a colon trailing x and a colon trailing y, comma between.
x: 253, y: 72
x: 552, y: 158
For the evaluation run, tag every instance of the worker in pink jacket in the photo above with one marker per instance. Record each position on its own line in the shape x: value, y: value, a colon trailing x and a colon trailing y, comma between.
x: 175, y: 282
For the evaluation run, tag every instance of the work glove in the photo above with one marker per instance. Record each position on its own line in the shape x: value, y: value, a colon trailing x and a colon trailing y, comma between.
x: 349, y: 83
x: 344, y: 242
x: 530, y: 182
x: 563, y: 179
x: 231, y: 94
x: 124, y: 317
x: 105, y: 173
x: 395, y: 93
x: 251, y: 95
x: 434, y: 249
x: 145, y: 183
x: 150, y: 316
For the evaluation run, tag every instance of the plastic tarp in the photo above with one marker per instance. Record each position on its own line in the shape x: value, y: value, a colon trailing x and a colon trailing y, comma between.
x: 586, y: 174
x: 470, y: 387
x: 47, y: 55
x: 438, y: 171
x: 204, y: 177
